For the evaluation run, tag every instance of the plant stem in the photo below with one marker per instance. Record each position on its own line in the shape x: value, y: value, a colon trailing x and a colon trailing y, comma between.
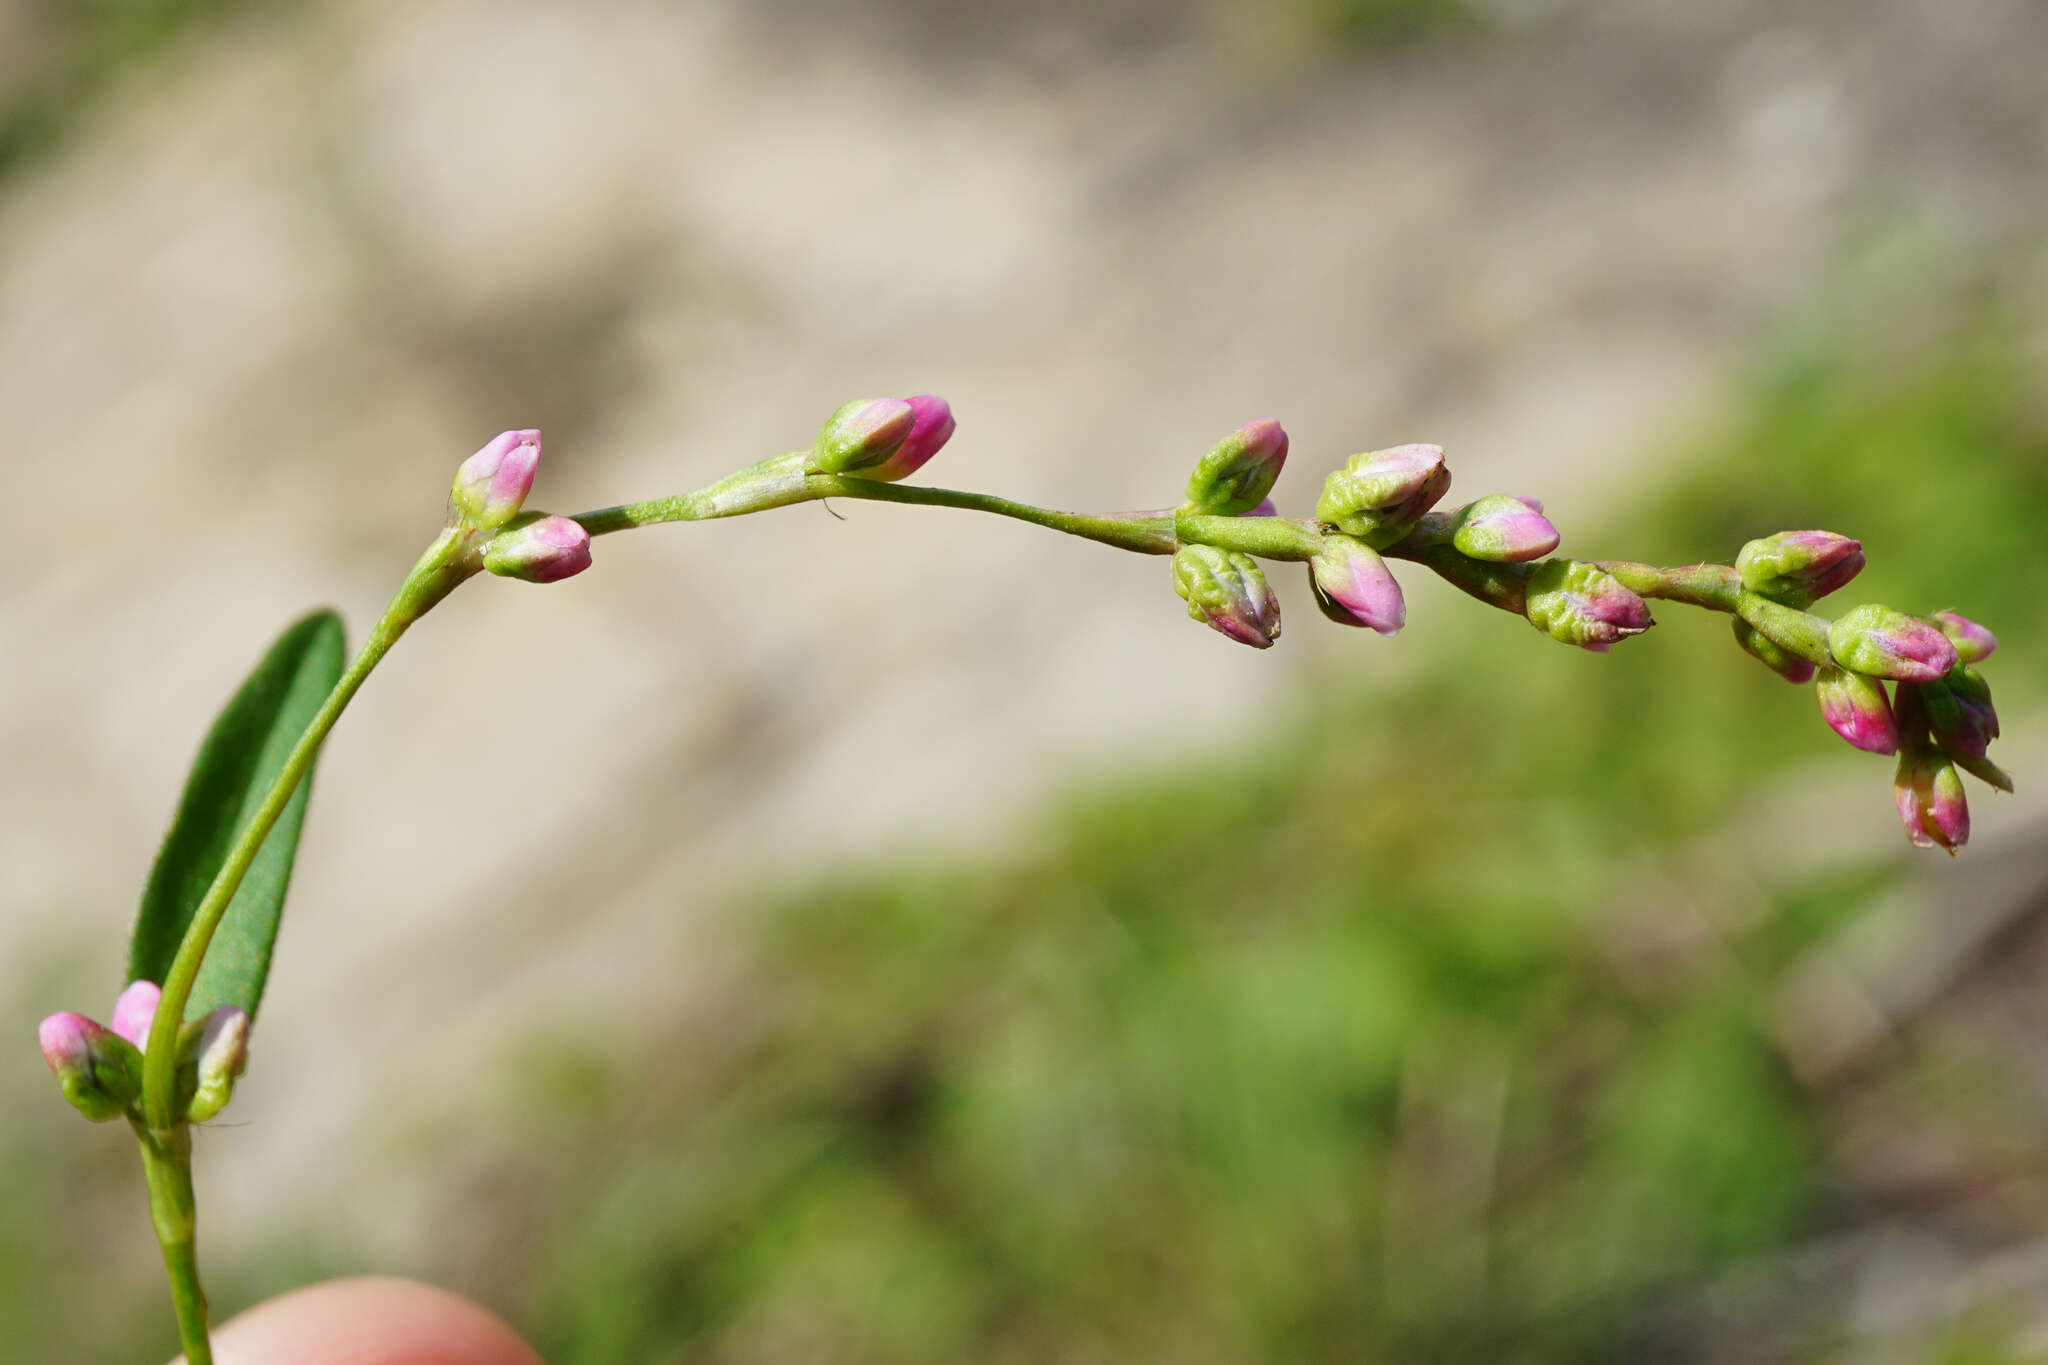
x: 1267, y: 537
x: 1145, y: 535
x: 1713, y: 586
x: 781, y: 481
x: 167, y: 1168
x: 446, y: 563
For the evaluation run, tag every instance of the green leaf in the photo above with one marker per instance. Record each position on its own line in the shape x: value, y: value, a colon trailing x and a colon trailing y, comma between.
x: 242, y: 756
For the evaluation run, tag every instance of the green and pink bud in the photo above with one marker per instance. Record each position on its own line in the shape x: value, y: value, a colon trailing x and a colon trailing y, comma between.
x: 931, y: 427
x: 1973, y: 643
x: 1503, y: 530
x: 1235, y: 475
x: 100, y: 1071
x: 539, y: 549
x: 864, y: 434
x: 1799, y: 568
x: 1879, y: 642
x: 1771, y: 654
x: 1353, y: 586
x: 1960, y: 714
x: 1857, y: 709
x: 1379, y: 496
x: 1227, y: 592
x: 492, y: 484
x: 1932, y: 805
x: 218, y: 1054
x: 1582, y: 604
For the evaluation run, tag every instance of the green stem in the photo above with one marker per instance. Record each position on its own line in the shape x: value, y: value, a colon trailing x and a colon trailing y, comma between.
x: 167, y: 1169
x: 446, y: 563
x: 782, y: 480
x: 1266, y: 537
x: 1145, y: 535
x: 1713, y: 586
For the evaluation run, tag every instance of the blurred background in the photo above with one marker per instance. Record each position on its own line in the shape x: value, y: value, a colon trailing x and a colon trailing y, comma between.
x: 905, y: 937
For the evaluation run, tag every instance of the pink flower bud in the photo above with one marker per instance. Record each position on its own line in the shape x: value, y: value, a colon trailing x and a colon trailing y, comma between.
x: 492, y: 484
x: 1227, y: 592
x: 1932, y: 806
x: 1856, y: 708
x: 1584, y: 605
x: 1973, y: 643
x: 539, y: 549
x: 1960, y: 714
x: 100, y: 1073
x: 135, y: 1011
x: 221, y: 1052
x: 67, y: 1040
x: 1799, y: 568
x: 1239, y: 470
x: 1379, y: 496
x: 862, y: 434
x: 1353, y: 586
x: 1504, y: 530
x: 930, y: 428
x: 1881, y: 643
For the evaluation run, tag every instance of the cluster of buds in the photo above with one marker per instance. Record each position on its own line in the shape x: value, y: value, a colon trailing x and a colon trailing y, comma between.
x: 100, y: 1068
x: 490, y: 488
x: 1938, y: 716
x: 1381, y: 505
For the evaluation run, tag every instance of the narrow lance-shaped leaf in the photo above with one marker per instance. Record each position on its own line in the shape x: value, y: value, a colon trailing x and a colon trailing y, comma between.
x: 242, y: 756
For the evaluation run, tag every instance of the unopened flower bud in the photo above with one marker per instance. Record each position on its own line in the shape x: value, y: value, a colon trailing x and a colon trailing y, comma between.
x: 1856, y: 708
x: 219, y: 1053
x: 135, y: 1011
x: 1932, y: 806
x: 1960, y: 714
x: 1799, y: 567
x: 930, y: 428
x: 1503, y: 530
x: 863, y: 434
x: 492, y: 484
x: 1770, y: 653
x: 1584, y: 605
x: 1973, y: 643
x: 1881, y: 643
x: 1378, y: 496
x: 1228, y: 592
x: 539, y: 549
x: 100, y: 1072
x: 1353, y: 586
x: 1238, y: 471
